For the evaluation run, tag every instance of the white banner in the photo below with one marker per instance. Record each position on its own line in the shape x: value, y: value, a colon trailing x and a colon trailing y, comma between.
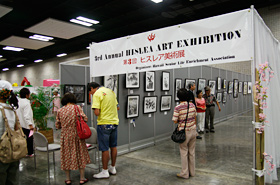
x: 220, y: 39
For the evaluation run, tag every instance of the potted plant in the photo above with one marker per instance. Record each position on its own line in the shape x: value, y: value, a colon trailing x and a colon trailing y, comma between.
x: 42, y: 105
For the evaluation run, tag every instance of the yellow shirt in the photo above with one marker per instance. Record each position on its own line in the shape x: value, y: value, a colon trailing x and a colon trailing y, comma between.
x: 105, y: 100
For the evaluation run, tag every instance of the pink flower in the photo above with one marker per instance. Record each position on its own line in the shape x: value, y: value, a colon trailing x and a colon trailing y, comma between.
x: 262, y: 116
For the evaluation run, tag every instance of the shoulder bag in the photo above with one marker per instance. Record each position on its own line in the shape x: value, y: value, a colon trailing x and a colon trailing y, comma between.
x: 83, y: 129
x: 13, y: 144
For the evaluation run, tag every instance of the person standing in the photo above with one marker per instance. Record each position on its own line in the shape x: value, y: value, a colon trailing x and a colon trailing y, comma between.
x: 8, y: 171
x: 200, y: 108
x: 56, y: 102
x: 186, y: 110
x: 210, y: 109
x: 25, y: 115
x: 105, y: 105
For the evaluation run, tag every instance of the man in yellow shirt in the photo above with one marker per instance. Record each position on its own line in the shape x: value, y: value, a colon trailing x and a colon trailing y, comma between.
x: 105, y: 105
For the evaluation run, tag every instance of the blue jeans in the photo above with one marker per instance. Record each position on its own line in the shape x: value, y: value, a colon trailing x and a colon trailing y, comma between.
x: 107, y: 136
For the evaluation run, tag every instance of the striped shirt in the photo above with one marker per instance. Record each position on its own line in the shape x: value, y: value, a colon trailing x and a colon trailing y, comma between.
x: 180, y: 113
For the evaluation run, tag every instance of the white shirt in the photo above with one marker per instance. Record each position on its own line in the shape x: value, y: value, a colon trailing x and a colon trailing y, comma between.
x: 10, y: 116
x: 25, y: 113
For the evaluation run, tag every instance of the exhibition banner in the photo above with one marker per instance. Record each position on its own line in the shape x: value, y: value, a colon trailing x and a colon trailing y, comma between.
x: 221, y: 39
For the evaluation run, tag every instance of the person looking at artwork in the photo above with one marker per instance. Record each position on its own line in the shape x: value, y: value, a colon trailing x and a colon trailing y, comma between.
x: 210, y: 109
x: 74, y: 152
x: 200, y: 108
x: 56, y: 102
x: 187, y: 148
x: 8, y: 171
x: 105, y: 105
x: 25, y: 115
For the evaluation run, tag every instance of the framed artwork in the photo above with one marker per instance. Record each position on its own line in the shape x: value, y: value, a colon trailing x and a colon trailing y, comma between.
x: 165, y: 103
x: 77, y: 90
x: 249, y: 87
x: 219, y: 97
x: 235, y: 88
x: 187, y: 82
x: 132, y: 80
x: 245, y: 87
x: 150, y: 104
x: 89, y: 96
x: 240, y: 87
x: 165, y: 81
x: 224, y: 84
x: 224, y: 97
x: 201, y: 84
x: 178, y: 85
x: 219, y: 83
x: 132, y: 110
x: 230, y: 87
x: 111, y: 82
x: 150, y: 81
x: 212, y: 85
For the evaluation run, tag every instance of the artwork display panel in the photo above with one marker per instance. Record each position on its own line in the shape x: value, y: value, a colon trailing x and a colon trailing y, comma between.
x: 132, y: 80
x: 240, y: 87
x: 224, y: 84
x: 111, y: 82
x: 224, y: 97
x: 249, y: 87
x: 165, y: 81
x: 230, y: 87
x: 77, y: 90
x: 132, y: 106
x: 201, y: 84
x: 235, y: 88
x: 212, y: 85
x: 187, y: 82
x: 219, y: 97
x: 150, y: 81
x: 245, y: 87
x: 219, y: 83
x: 165, y: 103
x: 178, y: 85
x: 150, y: 104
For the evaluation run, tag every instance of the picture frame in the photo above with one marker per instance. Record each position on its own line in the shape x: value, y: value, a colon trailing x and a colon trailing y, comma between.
x: 150, y: 104
x: 178, y: 85
x: 235, y: 88
x: 249, y: 87
x: 212, y: 85
x: 165, y: 102
x: 201, y: 84
x: 165, y: 81
x: 111, y: 82
x: 187, y: 82
x: 230, y: 87
x: 132, y: 107
x: 224, y: 84
x: 245, y: 88
x: 132, y: 80
x: 224, y: 97
x: 150, y: 81
x: 240, y: 87
x: 219, y: 97
x: 77, y: 90
x: 219, y: 83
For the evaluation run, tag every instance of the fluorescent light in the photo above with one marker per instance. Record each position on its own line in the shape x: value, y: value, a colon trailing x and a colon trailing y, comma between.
x: 41, y: 37
x: 1, y: 56
x: 39, y: 60
x: 88, y: 47
x: 87, y: 20
x: 12, y: 48
x: 157, y: 1
x: 61, y: 55
x: 5, y: 69
x: 37, y: 38
x: 80, y: 22
x: 20, y: 65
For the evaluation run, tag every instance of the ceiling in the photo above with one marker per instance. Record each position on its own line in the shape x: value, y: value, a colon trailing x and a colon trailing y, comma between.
x: 117, y: 18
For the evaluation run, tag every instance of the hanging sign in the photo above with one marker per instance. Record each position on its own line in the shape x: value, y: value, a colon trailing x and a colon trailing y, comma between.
x: 221, y: 39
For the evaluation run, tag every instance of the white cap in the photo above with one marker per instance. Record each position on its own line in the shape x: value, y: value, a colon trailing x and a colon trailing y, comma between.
x: 55, y: 90
x: 5, y: 85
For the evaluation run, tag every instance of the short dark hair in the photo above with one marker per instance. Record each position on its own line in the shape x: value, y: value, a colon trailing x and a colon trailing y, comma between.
x: 68, y: 98
x: 190, y: 84
x: 23, y: 92
x: 184, y: 95
x: 198, y: 92
x: 93, y: 85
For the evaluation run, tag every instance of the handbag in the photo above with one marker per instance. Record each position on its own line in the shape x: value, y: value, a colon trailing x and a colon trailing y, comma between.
x: 180, y: 136
x: 13, y: 144
x: 83, y: 129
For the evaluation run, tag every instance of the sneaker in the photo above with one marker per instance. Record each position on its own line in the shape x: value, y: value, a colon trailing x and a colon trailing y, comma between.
x: 212, y: 130
x: 206, y: 130
x: 32, y: 155
x: 104, y: 174
x: 112, y: 170
x: 198, y: 137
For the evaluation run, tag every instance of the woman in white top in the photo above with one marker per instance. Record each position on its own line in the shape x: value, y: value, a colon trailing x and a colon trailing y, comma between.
x: 8, y: 171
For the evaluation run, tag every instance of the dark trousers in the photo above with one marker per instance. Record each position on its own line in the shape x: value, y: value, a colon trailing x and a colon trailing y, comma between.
x: 29, y: 141
x: 9, y: 173
x: 209, y: 116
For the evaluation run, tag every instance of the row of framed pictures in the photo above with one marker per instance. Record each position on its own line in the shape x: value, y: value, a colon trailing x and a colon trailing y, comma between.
x: 149, y: 104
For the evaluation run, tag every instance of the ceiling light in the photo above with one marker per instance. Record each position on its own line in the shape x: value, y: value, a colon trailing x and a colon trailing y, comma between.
x: 39, y: 60
x: 1, y: 56
x: 87, y: 20
x: 20, y: 65
x: 80, y: 22
x: 12, y: 48
x: 88, y: 47
x: 157, y: 1
x: 61, y: 55
x: 5, y: 69
x: 41, y: 37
